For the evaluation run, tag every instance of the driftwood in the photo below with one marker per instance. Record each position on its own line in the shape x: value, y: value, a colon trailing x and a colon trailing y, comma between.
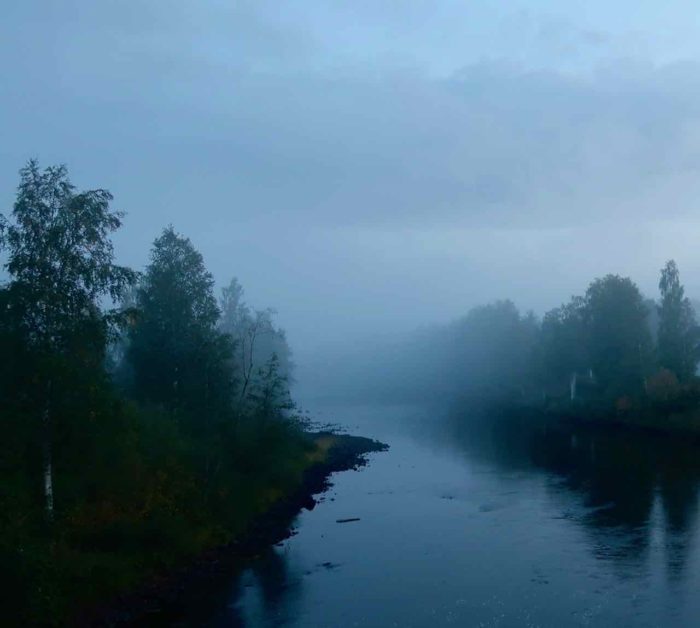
x: 347, y: 520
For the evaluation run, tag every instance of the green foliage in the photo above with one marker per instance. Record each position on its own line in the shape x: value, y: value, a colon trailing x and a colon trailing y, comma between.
x: 619, y: 342
x: 600, y: 342
x: 564, y: 341
x: 495, y: 349
x: 269, y: 395
x: 663, y: 386
x: 60, y: 260
x: 178, y: 357
x: 134, y: 502
x: 678, y: 335
x: 145, y: 474
x: 256, y: 341
x: 595, y: 352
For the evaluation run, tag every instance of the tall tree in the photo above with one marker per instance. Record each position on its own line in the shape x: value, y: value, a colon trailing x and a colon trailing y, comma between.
x: 492, y: 349
x: 619, y: 341
x: 678, y: 330
x: 269, y: 394
x: 60, y: 260
x: 179, y: 358
x: 255, y: 337
x: 564, y: 342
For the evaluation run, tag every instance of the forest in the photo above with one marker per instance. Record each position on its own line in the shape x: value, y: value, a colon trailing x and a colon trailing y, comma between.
x: 143, y: 418
x: 611, y: 353
x: 610, y: 349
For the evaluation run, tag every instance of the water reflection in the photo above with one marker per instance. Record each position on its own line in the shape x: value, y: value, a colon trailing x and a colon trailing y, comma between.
x: 618, y: 480
x: 679, y: 493
x: 264, y: 594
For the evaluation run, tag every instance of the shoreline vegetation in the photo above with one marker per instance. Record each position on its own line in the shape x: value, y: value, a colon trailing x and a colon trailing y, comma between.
x: 145, y: 421
x: 610, y: 355
x: 647, y: 419
x: 158, y: 598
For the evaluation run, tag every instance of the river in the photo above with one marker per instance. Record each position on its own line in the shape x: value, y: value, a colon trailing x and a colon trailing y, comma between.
x: 516, y: 528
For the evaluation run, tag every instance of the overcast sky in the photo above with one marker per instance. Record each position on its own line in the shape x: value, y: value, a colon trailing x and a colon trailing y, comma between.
x: 374, y: 165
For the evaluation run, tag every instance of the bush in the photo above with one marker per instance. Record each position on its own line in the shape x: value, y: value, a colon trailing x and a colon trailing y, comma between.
x: 663, y: 386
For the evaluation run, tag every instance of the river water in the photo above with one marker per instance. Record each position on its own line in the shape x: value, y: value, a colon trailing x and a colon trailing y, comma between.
x: 507, y: 526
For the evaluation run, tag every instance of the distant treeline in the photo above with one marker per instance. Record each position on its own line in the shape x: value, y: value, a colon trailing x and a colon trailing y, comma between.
x: 609, y: 349
x: 142, y: 419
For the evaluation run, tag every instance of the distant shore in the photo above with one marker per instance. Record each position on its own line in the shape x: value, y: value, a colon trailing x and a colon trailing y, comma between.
x: 647, y: 418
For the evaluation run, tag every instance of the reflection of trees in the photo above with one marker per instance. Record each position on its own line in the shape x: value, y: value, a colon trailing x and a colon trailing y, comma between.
x: 279, y: 590
x: 615, y: 475
x: 206, y: 603
x: 679, y: 492
x: 613, y: 480
x: 263, y: 594
x: 228, y: 615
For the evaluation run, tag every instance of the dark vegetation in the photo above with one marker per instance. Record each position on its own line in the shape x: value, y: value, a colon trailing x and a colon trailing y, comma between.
x: 187, y: 593
x: 143, y: 421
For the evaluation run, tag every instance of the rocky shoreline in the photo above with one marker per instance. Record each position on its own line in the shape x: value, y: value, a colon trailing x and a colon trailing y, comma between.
x: 161, y: 601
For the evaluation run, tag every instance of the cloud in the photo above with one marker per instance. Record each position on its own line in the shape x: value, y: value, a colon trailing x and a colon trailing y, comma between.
x: 228, y: 109
x: 490, y: 146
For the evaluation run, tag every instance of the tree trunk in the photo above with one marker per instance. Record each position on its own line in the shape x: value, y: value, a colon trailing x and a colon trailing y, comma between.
x: 47, y: 455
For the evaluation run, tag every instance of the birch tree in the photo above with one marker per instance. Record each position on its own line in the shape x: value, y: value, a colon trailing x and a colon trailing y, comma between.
x: 677, y: 344
x: 60, y: 260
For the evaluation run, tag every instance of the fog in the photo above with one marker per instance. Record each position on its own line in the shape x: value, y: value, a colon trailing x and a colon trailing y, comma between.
x: 370, y: 168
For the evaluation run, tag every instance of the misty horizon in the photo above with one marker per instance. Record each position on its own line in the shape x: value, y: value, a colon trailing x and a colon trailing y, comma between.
x: 365, y: 185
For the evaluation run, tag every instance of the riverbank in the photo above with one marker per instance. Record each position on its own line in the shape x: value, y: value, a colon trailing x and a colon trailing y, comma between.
x: 679, y: 419
x: 158, y: 600
x: 678, y: 422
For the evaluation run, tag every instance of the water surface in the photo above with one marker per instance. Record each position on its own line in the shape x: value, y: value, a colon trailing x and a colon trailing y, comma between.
x: 511, y: 527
